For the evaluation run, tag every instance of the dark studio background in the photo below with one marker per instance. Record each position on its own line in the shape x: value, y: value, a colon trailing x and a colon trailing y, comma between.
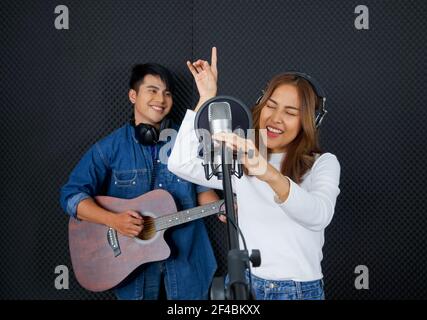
x: 61, y: 90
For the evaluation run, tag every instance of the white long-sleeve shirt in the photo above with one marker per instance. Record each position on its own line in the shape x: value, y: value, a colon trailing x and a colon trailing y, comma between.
x: 290, y: 235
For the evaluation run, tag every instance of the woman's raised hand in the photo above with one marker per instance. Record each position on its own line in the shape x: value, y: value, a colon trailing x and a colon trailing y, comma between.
x: 205, y: 76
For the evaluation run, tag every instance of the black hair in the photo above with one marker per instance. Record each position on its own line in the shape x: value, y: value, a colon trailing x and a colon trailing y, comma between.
x: 139, y: 71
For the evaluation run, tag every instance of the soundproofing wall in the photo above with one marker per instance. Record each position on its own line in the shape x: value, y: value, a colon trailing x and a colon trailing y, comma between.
x: 61, y: 90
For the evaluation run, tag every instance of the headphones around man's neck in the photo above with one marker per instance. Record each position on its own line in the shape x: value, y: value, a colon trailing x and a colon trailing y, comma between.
x: 320, y: 112
x: 147, y: 134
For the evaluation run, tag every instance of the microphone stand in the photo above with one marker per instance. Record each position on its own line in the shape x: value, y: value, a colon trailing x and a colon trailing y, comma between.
x: 216, y: 115
x: 237, y: 260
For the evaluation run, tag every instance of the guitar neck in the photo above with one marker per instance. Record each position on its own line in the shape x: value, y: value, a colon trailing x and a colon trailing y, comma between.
x: 188, y: 215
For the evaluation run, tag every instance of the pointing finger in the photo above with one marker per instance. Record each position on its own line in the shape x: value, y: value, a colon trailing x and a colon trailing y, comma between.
x: 214, y: 61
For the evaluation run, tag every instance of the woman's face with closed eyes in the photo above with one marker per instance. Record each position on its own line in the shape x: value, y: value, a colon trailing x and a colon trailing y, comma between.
x: 281, y: 117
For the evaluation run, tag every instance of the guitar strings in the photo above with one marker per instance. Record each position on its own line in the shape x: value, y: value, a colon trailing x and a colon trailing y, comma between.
x: 165, y: 222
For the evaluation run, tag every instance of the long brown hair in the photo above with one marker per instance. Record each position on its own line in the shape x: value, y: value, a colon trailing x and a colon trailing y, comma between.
x: 300, y: 155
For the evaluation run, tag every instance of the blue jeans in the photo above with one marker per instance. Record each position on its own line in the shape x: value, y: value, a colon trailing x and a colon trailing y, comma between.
x: 285, y: 289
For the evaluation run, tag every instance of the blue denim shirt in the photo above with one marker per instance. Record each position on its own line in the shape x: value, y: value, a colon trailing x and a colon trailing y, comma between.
x: 119, y: 166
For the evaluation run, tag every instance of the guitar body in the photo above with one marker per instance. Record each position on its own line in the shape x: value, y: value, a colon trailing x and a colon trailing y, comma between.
x: 94, y: 262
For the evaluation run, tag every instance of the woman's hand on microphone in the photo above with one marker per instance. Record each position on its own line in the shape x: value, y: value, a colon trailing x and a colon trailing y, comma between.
x: 206, y: 77
x: 254, y: 162
x: 257, y: 164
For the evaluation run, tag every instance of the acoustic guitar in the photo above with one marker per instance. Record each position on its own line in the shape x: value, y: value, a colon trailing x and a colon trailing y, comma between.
x: 102, y: 258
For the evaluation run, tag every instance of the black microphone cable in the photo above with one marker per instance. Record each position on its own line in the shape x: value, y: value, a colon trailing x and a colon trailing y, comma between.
x: 244, y: 245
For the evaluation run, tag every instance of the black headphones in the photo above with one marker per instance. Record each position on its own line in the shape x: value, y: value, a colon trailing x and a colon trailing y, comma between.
x: 320, y: 112
x: 147, y: 134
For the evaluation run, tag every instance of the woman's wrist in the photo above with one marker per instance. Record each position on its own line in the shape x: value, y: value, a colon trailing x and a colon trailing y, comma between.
x: 282, y: 194
x: 202, y: 100
x: 271, y: 175
x: 280, y: 185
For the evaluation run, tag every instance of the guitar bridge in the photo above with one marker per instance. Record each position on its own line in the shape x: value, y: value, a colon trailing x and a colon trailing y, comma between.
x: 113, y: 241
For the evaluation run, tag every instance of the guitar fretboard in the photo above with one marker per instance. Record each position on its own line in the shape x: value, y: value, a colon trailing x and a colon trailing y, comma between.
x: 188, y: 215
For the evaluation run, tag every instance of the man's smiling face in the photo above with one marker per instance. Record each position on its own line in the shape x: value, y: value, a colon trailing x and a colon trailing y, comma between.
x: 152, y: 102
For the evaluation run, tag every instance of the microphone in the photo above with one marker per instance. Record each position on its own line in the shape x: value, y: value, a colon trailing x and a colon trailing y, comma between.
x: 219, y: 117
x: 221, y: 114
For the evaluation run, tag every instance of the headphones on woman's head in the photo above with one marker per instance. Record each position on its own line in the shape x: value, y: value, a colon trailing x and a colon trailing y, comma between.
x: 147, y: 134
x: 320, y: 112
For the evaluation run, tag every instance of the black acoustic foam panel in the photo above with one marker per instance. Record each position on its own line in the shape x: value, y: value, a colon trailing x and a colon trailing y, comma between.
x: 61, y: 90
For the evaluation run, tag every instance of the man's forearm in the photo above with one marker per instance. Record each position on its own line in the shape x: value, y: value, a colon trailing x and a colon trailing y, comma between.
x: 88, y: 210
x: 207, y: 197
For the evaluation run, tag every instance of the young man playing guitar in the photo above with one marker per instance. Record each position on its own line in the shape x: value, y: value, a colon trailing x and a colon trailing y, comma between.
x: 125, y: 165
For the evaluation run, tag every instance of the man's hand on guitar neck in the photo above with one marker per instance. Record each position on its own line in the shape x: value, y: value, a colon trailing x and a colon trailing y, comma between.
x: 128, y: 223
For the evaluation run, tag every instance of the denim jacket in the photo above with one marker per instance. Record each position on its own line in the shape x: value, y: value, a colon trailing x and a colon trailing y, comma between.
x: 119, y: 166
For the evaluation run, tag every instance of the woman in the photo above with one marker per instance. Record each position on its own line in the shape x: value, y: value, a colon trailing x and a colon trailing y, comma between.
x: 284, y: 207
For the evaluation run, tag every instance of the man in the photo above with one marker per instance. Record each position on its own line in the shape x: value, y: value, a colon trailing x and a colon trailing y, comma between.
x: 126, y: 164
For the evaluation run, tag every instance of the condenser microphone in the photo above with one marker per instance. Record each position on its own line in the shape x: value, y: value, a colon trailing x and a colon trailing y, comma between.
x: 220, y: 114
x: 219, y: 117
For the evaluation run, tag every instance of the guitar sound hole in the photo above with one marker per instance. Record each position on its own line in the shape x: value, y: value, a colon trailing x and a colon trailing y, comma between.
x: 149, y: 230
